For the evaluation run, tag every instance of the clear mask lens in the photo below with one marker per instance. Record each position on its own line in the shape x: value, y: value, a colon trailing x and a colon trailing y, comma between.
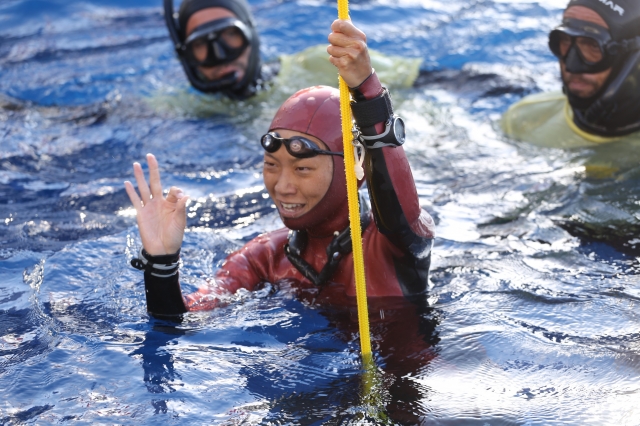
x: 582, y: 46
x: 217, y: 43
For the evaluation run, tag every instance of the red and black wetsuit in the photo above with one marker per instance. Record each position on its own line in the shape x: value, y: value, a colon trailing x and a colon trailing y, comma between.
x: 396, y: 244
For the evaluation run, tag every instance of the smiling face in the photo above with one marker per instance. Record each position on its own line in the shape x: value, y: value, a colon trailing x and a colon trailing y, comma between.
x: 584, y: 85
x: 239, y: 65
x: 296, y: 185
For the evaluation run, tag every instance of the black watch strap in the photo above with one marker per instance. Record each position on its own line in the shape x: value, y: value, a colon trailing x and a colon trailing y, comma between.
x: 164, y: 266
x: 372, y: 111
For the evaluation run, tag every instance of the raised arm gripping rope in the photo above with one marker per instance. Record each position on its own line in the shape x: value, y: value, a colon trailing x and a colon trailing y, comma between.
x: 354, y: 209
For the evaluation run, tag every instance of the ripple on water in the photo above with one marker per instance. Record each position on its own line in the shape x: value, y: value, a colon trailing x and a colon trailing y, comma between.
x: 534, y: 283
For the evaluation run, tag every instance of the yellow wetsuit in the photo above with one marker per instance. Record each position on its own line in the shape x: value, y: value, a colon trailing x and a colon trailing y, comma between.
x: 311, y: 67
x: 546, y: 119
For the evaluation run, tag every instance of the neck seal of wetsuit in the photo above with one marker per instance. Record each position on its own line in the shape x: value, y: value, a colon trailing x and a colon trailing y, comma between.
x: 339, y: 247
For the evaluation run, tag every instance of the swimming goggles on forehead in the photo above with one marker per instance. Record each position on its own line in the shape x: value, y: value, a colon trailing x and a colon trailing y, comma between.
x: 297, y: 146
x: 217, y: 42
x: 586, y: 47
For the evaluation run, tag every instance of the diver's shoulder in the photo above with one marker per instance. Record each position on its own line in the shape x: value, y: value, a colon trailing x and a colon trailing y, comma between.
x: 534, y: 113
x: 545, y: 98
x: 313, y: 66
x: 270, y: 237
x: 264, y: 244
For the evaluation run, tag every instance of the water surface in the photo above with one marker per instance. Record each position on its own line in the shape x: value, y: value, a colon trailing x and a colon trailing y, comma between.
x: 532, y: 314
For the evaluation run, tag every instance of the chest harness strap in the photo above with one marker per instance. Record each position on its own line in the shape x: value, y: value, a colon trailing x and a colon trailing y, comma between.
x: 336, y: 250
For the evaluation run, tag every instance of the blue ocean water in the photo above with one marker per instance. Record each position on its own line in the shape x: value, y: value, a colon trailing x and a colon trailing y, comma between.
x: 533, y: 304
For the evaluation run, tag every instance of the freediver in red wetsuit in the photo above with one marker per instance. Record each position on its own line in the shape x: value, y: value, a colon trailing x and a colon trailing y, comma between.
x: 304, y: 175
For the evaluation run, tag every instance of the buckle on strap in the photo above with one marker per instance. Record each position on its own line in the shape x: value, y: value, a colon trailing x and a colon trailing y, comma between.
x: 623, y: 46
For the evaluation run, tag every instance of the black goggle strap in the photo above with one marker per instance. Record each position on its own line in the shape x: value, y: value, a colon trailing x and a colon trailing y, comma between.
x: 323, y: 152
x: 159, y: 266
x: 336, y: 250
x: 577, y: 28
x: 623, y: 46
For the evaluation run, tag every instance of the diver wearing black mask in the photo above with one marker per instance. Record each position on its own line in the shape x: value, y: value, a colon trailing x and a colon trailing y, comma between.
x: 587, y: 48
x: 214, y: 51
x: 217, y: 43
x: 598, y: 47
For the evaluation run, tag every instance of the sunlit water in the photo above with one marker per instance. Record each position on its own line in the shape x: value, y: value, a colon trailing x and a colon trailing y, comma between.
x: 533, y: 311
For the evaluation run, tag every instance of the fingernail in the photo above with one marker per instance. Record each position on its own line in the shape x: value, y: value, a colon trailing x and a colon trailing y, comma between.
x: 179, y: 195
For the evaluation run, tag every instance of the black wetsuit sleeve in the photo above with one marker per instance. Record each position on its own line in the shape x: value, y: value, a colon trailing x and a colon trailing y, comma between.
x: 395, y: 204
x: 164, y: 296
x: 410, y: 231
x: 389, y: 215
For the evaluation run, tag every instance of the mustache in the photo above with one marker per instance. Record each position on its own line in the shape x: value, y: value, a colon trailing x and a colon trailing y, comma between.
x: 577, y: 78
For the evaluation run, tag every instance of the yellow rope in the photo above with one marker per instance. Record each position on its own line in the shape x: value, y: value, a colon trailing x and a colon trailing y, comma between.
x: 354, y: 210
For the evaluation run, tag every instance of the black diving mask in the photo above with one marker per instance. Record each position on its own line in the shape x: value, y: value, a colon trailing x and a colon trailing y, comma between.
x: 217, y: 42
x: 219, y: 49
x: 587, y: 48
x: 297, y: 146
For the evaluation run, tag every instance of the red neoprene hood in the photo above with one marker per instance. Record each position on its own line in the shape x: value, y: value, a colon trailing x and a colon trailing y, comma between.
x: 315, y: 111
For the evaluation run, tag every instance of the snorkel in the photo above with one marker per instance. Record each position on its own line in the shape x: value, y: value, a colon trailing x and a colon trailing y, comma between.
x: 228, y: 84
x: 612, y: 111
